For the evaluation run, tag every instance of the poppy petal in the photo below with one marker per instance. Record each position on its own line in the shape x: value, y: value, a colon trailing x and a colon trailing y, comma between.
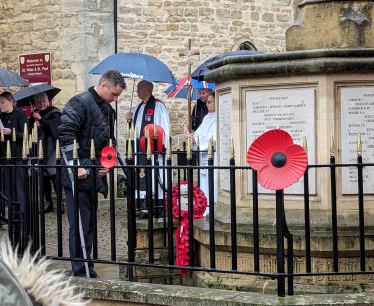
x: 261, y: 150
x: 274, y: 178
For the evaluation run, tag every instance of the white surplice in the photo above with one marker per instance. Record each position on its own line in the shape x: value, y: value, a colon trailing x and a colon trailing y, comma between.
x: 206, y: 131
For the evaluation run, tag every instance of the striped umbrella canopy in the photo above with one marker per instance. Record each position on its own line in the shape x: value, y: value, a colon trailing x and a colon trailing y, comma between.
x: 181, y: 91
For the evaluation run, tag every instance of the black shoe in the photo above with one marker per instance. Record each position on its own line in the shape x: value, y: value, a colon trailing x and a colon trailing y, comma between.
x: 48, y: 207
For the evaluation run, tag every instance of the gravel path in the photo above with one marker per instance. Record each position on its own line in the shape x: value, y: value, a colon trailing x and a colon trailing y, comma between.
x: 103, y: 227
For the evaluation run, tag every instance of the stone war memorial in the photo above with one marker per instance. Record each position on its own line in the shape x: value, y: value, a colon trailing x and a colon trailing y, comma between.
x: 321, y: 90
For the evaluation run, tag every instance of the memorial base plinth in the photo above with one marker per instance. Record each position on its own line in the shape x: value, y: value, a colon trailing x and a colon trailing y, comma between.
x: 321, y: 244
x: 154, y: 275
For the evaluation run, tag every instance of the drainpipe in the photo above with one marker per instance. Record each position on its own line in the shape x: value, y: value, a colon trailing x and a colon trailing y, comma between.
x: 115, y: 26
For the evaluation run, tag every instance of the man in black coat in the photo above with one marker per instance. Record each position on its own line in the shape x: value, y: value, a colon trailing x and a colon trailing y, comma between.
x: 87, y: 116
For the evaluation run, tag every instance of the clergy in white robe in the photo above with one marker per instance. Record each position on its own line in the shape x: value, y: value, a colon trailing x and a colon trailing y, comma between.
x: 206, y: 131
x: 150, y: 110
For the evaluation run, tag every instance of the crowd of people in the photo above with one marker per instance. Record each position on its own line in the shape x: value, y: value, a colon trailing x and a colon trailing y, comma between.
x: 87, y: 116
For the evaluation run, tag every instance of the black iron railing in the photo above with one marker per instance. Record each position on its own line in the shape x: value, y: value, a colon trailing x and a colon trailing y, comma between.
x: 29, y: 225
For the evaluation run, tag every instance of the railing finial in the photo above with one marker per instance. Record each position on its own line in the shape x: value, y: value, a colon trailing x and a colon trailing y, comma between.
x: 332, y: 146
x: 155, y: 136
x: 41, y: 149
x: 14, y: 135
x: 359, y: 145
x: 189, y: 148
x: 129, y: 150
x: 305, y: 144
x: 232, y: 150
x: 147, y: 133
x: 127, y: 131
x: 149, y: 151
x: 8, y: 151
x: 132, y: 131
x: 168, y: 150
x: 35, y: 134
x: 92, y: 150
x: 24, y: 149
x: 210, y: 148
x: 75, y: 150
x: 58, y: 151
x: 25, y: 132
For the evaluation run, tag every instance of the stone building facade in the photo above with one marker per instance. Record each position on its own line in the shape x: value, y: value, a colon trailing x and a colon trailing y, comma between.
x: 80, y: 33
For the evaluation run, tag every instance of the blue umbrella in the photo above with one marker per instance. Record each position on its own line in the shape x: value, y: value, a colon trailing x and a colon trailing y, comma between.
x: 136, y: 66
x: 181, y: 91
x: 198, y: 74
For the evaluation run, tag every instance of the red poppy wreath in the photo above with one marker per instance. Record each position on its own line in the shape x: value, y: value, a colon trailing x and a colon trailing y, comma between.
x: 181, y: 239
x: 279, y: 161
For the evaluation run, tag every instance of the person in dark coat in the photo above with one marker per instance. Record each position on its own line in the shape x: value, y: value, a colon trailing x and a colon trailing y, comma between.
x: 200, y: 109
x: 11, y: 117
x: 87, y: 116
x: 47, y: 119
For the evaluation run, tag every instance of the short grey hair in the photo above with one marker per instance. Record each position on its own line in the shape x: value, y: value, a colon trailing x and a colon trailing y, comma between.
x: 208, y: 90
x: 40, y: 96
x: 113, y: 78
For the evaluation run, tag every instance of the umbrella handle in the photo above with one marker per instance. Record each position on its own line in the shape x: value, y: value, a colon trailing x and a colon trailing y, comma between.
x: 132, y: 98
x: 132, y: 95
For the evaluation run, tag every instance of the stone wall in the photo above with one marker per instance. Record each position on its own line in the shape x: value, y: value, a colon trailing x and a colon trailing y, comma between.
x: 79, y: 34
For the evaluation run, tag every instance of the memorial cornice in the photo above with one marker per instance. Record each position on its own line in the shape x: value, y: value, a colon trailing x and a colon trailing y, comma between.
x: 292, y: 63
x: 305, y: 2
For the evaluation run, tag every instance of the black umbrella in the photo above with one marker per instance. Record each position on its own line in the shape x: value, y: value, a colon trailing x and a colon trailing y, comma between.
x: 10, y: 78
x: 25, y: 96
x: 198, y: 74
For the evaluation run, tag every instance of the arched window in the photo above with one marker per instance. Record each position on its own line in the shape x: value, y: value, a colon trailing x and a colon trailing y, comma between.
x: 246, y: 45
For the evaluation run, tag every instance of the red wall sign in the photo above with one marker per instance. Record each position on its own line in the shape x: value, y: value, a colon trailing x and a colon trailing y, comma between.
x: 36, y: 69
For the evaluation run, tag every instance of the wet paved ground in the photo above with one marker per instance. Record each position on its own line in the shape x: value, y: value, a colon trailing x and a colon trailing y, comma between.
x: 103, y: 227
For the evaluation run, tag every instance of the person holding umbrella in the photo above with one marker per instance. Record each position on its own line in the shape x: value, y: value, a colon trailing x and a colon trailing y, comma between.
x: 87, y: 116
x: 11, y: 117
x: 47, y: 119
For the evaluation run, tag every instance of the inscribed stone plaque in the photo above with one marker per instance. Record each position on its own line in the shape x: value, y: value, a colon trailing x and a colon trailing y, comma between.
x: 225, y: 134
x: 292, y: 111
x: 357, y: 117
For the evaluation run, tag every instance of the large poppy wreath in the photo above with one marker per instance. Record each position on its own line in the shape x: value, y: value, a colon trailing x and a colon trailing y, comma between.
x: 200, y: 202
x: 279, y: 161
x: 181, y: 238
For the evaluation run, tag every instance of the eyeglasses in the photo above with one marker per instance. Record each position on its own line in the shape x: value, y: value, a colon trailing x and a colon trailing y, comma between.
x: 209, y: 102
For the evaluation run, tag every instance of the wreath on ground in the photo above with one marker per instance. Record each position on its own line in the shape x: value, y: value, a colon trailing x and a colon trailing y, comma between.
x: 200, y: 204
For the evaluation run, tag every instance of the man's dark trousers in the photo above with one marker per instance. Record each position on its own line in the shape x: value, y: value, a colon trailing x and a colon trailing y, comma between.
x: 85, y: 209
